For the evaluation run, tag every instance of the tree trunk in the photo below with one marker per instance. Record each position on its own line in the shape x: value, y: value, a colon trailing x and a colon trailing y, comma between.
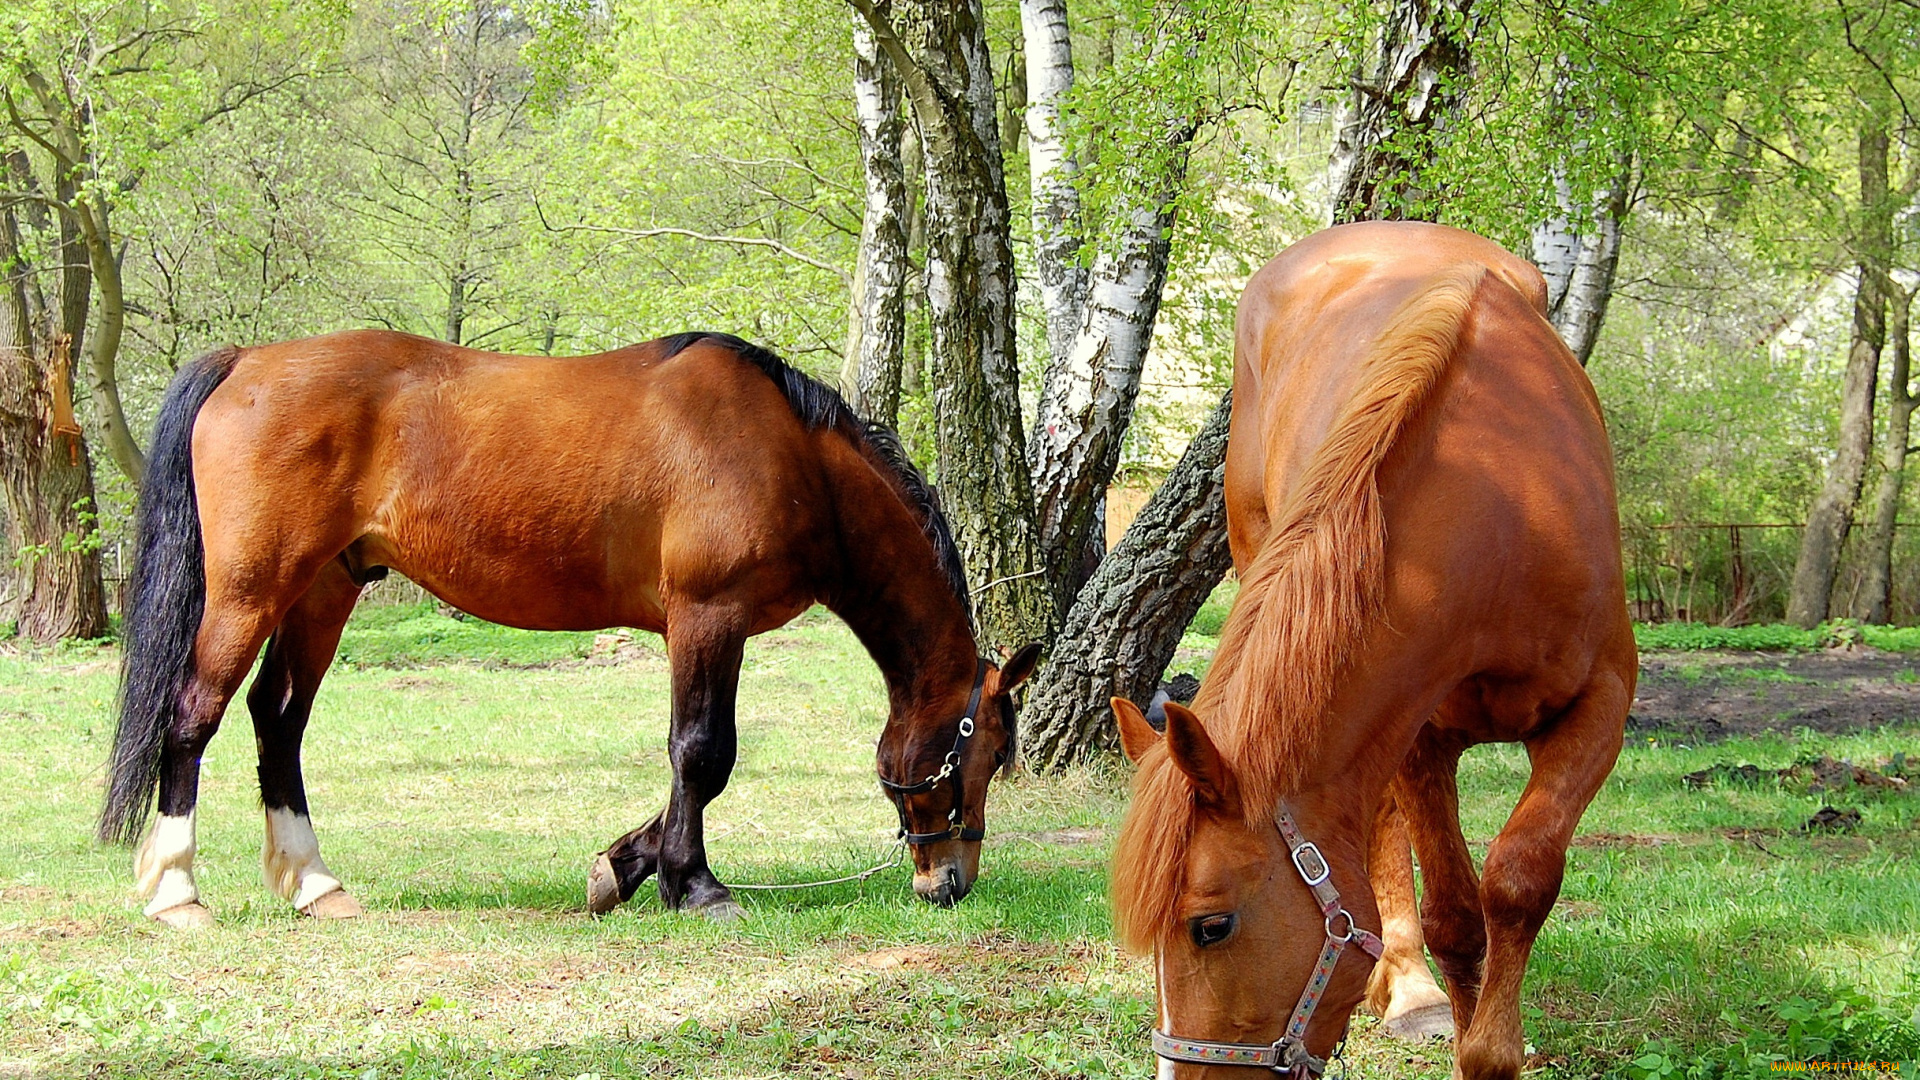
x: 1578, y: 257
x: 1874, y: 604
x: 1831, y: 516
x: 87, y: 257
x: 1122, y: 631
x: 46, y: 475
x: 1057, y: 235
x: 978, y: 432
x: 1398, y: 111
x: 871, y: 379
x: 1088, y: 392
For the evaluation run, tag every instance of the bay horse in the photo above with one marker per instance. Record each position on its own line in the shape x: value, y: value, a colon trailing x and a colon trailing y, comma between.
x: 695, y: 486
x: 1421, y: 501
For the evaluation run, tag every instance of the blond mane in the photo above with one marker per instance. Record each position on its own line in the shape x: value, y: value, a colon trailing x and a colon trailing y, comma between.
x: 1305, y: 602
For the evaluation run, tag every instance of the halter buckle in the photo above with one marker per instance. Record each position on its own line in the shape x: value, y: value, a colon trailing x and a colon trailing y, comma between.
x: 1311, y: 864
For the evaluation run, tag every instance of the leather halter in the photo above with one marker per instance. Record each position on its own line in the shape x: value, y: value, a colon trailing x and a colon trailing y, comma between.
x: 1288, y: 1054
x: 949, y: 768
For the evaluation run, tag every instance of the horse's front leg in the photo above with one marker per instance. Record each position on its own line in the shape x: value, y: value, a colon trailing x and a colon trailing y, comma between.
x: 627, y: 862
x: 704, y: 645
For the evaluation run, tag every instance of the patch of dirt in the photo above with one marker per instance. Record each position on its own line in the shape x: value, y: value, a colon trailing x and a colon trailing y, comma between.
x: 906, y: 956
x: 1829, y: 819
x: 1623, y: 840
x: 1709, y: 695
x: 1070, y: 837
x: 1813, y: 775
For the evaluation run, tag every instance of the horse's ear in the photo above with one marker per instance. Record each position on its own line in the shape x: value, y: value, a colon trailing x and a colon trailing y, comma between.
x: 1193, y: 751
x: 1136, y: 735
x: 1018, y: 667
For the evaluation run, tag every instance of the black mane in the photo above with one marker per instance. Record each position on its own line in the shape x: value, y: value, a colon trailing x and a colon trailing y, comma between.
x: 821, y: 406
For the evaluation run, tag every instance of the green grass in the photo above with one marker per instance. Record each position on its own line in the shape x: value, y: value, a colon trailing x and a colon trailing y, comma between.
x: 461, y: 799
x: 1677, y: 636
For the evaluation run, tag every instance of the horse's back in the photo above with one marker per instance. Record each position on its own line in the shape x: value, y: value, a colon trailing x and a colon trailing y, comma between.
x: 1502, y: 534
x: 493, y: 478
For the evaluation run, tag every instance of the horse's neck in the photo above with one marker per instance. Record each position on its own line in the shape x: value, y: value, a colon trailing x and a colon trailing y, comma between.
x: 916, y: 632
x: 902, y: 608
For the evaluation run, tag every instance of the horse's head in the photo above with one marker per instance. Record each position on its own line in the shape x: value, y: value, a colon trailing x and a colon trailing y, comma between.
x: 1220, y: 896
x: 935, y: 763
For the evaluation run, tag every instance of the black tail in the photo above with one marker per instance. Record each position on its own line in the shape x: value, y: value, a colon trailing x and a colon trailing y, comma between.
x: 164, y: 600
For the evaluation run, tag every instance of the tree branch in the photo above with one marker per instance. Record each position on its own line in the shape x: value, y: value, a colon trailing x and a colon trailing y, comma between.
x: 708, y: 238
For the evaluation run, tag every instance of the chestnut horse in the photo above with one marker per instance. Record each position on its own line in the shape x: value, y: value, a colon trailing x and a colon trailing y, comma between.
x: 1422, y: 505
x: 695, y: 486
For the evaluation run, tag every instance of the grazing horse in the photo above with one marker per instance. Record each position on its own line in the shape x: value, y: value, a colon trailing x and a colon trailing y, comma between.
x: 695, y: 486
x: 1422, y: 503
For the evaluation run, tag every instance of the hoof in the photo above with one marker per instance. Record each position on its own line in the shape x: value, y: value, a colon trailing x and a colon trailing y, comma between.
x: 1418, y: 1025
x: 723, y: 910
x: 192, y: 915
x: 334, y: 905
x: 603, y: 886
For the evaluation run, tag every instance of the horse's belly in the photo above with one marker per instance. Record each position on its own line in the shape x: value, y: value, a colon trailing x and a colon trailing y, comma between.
x: 527, y: 574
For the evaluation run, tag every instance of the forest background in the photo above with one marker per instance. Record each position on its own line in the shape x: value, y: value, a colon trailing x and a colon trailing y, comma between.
x: 1015, y: 230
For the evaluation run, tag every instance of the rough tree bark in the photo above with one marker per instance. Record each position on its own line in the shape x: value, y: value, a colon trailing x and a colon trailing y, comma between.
x: 979, y: 438
x: 1124, y: 627
x: 1578, y: 255
x: 46, y: 474
x: 1874, y: 603
x: 1831, y: 517
x: 1399, y: 108
x: 60, y: 131
x: 871, y: 377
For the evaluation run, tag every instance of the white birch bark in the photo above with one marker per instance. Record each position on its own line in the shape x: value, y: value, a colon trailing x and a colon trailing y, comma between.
x: 978, y: 432
x: 1057, y: 232
x: 871, y: 380
x: 1578, y: 253
x: 1093, y: 379
x: 1414, y: 84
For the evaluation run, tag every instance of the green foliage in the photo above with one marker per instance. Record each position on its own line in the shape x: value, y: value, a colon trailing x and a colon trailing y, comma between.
x: 1848, y: 1026
x: 1692, y: 636
x: 1774, y: 637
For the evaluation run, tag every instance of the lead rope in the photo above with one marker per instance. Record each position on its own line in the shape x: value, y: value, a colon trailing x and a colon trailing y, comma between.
x: 893, y: 860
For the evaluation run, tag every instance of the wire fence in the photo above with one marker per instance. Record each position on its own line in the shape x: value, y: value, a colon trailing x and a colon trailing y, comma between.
x: 1736, y: 573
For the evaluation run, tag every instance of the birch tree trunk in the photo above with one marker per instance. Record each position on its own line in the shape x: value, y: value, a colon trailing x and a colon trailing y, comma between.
x: 46, y: 474
x: 1093, y: 379
x: 1057, y: 232
x: 1122, y: 631
x: 1874, y: 604
x: 1399, y: 109
x: 1831, y: 516
x: 942, y: 57
x: 1578, y: 255
x: 871, y: 378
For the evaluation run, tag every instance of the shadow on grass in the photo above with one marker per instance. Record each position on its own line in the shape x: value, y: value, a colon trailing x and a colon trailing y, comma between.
x: 1002, y: 1013
x: 1067, y: 897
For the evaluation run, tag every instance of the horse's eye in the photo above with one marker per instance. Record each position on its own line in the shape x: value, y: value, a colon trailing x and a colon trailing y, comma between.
x: 1211, y: 929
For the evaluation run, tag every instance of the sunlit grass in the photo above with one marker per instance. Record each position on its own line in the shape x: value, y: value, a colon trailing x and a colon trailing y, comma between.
x: 463, y: 800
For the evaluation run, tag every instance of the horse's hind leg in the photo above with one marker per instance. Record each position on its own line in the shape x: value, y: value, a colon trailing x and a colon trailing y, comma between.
x: 230, y: 634
x: 281, y: 700
x: 1525, y: 863
x: 1401, y: 990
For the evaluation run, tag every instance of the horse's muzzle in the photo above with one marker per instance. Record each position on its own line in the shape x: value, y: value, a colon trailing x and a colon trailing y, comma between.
x: 944, y: 887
